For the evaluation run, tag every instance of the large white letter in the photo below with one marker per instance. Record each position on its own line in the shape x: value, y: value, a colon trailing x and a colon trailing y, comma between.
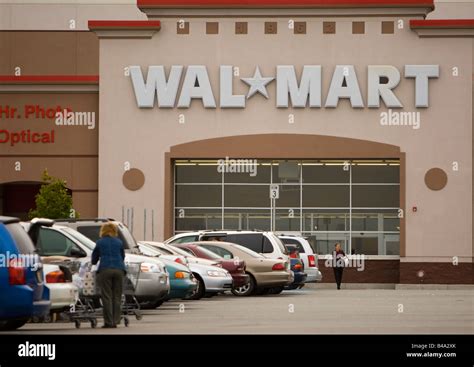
x: 310, y: 85
x: 156, y: 81
x: 351, y: 90
x: 227, y: 99
x: 421, y: 73
x: 377, y: 90
x: 196, y: 85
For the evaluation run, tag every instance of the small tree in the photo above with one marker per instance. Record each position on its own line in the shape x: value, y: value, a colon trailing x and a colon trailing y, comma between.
x: 53, y: 200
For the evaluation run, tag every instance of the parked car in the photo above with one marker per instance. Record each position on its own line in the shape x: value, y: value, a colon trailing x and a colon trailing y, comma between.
x: 191, y: 258
x: 265, y: 275
x: 151, y: 250
x: 57, y: 240
x: 182, y: 282
x: 264, y: 243
x: 91, y: 229
x: 307, y: 255
x: 187, y: 256
x: 23, y: 293
x: 235, y: 267
x: 211, y: 279
x: 63, y: 292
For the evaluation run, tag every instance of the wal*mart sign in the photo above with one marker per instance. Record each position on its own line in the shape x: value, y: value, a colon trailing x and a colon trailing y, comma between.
x: 291, y: 91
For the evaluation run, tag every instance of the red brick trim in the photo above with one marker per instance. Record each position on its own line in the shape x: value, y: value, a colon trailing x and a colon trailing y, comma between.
x: 283, y: 3
x: 49, y: 79
x: 442, y: 24
x: 95, y: 25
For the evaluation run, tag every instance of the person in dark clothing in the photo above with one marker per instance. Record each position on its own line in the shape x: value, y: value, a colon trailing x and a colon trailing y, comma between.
x: 338, y: 264
x: 109, y: 250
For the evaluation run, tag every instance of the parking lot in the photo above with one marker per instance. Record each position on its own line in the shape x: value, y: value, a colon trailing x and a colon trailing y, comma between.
x: 310, y: 310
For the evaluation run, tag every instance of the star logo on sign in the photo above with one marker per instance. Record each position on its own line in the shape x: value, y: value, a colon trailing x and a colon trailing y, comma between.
x: 257, y: 84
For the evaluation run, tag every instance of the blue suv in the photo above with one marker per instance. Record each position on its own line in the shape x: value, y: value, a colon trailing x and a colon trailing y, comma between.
x: 23, y: 293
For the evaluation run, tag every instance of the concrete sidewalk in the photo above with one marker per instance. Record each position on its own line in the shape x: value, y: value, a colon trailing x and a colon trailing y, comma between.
x: 392, y: 286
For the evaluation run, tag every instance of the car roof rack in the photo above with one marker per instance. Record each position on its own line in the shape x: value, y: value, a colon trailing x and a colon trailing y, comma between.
x: 73, y: 220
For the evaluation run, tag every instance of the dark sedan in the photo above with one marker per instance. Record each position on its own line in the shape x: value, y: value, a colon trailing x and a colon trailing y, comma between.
x: 235, y: 267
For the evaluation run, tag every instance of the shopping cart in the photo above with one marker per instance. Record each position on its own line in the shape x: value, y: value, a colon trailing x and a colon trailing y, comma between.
x: 130, y: 305
x: 85, y: 309
x: 88, y: 306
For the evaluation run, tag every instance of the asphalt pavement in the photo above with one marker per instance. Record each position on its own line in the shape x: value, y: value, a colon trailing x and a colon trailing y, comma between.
x: 312, y: 310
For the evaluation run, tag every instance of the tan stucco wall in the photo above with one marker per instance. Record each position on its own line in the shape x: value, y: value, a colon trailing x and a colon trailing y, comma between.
x: 443, y: 218
x: 57, y: 14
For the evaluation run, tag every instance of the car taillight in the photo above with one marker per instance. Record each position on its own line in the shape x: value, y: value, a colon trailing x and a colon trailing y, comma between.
x: 55, y: 277
x: 298, y: 267
x: 312, y: 261
x: 179, y: 261
x: 279, y: 266
x: 16, y: 274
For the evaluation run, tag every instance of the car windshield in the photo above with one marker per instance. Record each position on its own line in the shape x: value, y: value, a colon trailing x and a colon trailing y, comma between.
x: 80, y: 237
x: 248, y: 251
x: 180, y: 252
x: 21, y: 238
x: 164, y: 251
x: 127, y: 236
x: 149, y: 250
x: 210, y: 254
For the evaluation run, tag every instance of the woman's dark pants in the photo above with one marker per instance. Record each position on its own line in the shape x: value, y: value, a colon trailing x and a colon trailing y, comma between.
x: 111, y: 286
x: 338, y: 275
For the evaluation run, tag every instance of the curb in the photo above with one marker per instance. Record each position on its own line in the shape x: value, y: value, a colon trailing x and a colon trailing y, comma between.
x: 457, y: 287
x: 452, y: 287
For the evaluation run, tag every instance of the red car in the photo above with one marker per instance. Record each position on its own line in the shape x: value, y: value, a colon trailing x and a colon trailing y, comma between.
x: 236, y: 268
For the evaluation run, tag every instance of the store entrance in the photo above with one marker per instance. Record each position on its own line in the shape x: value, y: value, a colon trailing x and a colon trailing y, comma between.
x: 354, y: 202
x: 17, y: 198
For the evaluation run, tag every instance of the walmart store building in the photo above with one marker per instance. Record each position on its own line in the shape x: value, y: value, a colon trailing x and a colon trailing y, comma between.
x: 182, y: 115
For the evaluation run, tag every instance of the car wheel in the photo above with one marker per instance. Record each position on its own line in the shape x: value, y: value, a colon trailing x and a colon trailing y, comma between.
x: 12, y: 324
x: 245, y: 290
x: 200, y: 290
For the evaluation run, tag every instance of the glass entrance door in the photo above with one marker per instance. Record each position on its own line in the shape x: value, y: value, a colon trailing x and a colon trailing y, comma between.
x: 354, y: 202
